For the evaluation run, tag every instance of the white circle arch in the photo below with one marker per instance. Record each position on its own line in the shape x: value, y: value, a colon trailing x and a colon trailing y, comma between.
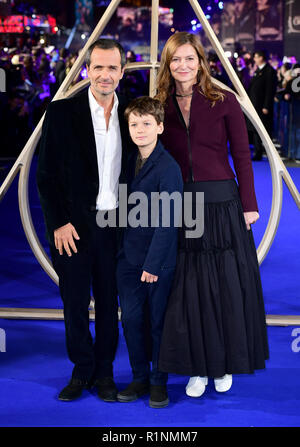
x: 277, y: 173
x: 278, y: 170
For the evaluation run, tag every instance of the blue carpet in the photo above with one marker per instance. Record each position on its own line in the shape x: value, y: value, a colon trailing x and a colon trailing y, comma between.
x: 35, y: 367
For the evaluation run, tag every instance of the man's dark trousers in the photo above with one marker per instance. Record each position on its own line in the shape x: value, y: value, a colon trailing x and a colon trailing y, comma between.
x: 133, y: 294
x: 91, y: 270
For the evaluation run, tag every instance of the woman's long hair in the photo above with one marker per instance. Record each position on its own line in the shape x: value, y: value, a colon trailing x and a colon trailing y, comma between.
x: 165, y: 81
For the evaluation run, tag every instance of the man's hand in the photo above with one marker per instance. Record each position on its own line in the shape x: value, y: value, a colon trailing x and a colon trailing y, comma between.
x: 63, y: 239
x: 265, y: 111
x: 250, y: 218
x: 148, y: 277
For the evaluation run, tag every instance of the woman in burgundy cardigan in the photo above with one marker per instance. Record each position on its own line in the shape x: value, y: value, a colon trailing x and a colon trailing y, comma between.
x: 215, y: 322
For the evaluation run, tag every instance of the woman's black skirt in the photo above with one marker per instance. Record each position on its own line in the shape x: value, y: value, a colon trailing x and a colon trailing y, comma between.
x: 215, y: 320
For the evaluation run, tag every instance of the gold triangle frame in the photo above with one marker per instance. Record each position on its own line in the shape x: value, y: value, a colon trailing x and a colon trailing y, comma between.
x: 23, y: 163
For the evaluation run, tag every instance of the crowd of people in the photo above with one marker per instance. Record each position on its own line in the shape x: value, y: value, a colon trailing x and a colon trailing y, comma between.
x: 35, y: 72
x: 33, y: 75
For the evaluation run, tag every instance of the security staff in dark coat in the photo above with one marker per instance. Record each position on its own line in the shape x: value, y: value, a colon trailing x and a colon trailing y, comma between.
x: 261, y: 92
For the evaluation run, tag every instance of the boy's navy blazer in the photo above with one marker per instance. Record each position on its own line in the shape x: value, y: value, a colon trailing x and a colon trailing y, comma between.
x: 153, y: 248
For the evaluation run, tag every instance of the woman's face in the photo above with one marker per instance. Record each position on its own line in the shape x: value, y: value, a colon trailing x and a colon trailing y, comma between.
x: 184, y: 64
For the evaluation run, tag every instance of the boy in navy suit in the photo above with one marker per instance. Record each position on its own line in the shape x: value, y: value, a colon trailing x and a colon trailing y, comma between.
x: 147, y: 258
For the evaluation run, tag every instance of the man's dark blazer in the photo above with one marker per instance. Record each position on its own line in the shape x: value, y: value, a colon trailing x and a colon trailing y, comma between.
x: 59, y: 73
x: 153, y: 248
x: 67, y: 174
x: 262, y: 91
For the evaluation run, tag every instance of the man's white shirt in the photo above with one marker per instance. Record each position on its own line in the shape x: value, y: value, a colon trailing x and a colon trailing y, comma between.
x: 109, y: 153
x: 262, y: 66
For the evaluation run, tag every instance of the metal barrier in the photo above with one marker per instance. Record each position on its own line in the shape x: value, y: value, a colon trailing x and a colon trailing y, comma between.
x: 287, y: 127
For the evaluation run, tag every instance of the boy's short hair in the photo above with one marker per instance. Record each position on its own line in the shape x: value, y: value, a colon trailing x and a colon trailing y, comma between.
x: 144, y: 105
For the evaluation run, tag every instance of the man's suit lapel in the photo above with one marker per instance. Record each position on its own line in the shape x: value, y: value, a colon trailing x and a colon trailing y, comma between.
x: 84, y: 125
x: 255, y: 77
x: 259, y: 74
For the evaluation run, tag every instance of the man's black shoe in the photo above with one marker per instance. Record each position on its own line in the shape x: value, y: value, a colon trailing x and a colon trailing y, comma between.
x: 73, y: 390
x: 133, y: 391
x: 158, y: 396
x: 106, y: 389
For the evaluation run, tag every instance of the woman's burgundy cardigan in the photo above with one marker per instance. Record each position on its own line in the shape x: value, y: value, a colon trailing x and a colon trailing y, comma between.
x: 202, y: 151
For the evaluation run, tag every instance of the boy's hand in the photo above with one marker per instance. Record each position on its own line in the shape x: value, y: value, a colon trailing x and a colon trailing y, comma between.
x: 148, y: 277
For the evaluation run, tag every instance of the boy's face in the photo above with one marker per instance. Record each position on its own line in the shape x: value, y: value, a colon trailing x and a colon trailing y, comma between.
x: 144, y: 129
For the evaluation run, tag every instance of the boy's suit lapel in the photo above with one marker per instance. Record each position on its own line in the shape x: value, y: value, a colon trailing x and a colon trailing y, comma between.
x: 131, y: 166
x: 147, y: 166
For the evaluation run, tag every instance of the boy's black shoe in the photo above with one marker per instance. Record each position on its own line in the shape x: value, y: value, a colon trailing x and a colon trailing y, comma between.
x: 107, y: 389
x: 158, y: 396
x: 73, y: 390
x: 133, y: 391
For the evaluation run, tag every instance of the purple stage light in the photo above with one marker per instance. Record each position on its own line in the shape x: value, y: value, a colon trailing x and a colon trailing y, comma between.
x: 83, y: 73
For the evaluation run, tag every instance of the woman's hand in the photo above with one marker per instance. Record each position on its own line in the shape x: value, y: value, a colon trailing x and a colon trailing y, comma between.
x: 148, y: 277
x: 250, y: 218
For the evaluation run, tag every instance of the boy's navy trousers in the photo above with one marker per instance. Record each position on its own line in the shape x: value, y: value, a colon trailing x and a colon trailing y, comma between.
x: 133, y: 295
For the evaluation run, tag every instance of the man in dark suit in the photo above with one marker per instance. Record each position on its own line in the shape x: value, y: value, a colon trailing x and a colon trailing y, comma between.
x: 82, y: 154
x: 261, y: 92
x: 60, y: 70
x: 147, y: 259
x: 243, y: 72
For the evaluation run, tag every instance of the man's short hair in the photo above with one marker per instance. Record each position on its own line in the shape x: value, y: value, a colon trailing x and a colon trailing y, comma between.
x: 63, y: 52
x: 144, y: 105
x: 262, y: 53
x: 105, y: 44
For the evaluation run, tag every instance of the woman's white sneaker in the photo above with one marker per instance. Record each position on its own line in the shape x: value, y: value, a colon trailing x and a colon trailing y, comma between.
x: 196, y: 386
x: 223, y: 384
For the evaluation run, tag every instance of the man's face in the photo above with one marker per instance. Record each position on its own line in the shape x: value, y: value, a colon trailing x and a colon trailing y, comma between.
x: 262, y: 4
x: 239, y: 7
x: 144, y: 129
x: 105, y: 71
x: 239, y: 62
x: 259, y: 60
